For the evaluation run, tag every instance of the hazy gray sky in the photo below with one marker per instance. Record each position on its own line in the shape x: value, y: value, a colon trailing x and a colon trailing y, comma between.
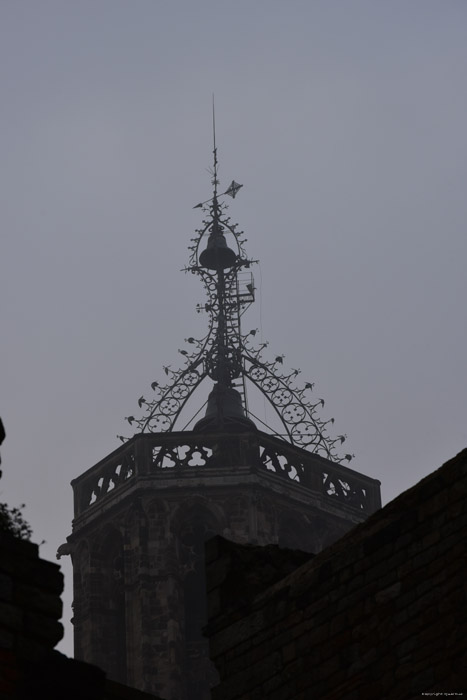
x: 345, y: 121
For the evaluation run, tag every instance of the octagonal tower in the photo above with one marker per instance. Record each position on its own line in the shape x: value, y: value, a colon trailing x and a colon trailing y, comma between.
x: 142, y: 514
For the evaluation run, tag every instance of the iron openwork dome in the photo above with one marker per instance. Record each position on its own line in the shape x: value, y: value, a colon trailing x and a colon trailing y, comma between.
x: 229, y: 357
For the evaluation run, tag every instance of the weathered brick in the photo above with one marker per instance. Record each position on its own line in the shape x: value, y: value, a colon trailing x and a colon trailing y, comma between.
x: 11, y: 617
x: 422, y: 680
x: 7, y: 638
x: 43, y: 628
x: 389, y: 621
x: 285, y: 691
x: 33, y: 598
x: 337, y: 624
x: 6, y: 587
x: 288, y: 652
x: 406, y: 647
x: 328, y: 668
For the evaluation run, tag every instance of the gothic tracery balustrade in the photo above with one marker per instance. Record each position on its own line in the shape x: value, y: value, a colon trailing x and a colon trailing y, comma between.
x: 151, y: 456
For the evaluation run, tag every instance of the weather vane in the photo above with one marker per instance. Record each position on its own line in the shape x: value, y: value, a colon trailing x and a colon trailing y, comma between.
x: 234, y: 187
x: 228, y: 357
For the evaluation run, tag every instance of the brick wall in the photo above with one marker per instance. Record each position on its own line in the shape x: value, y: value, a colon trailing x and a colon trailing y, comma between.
x: 30, y: 610
x: 380, y: 614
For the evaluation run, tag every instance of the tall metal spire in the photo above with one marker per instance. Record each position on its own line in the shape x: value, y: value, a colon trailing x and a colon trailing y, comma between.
x: 215, y: 181
x: 219, y: 267
x: 225, y: 355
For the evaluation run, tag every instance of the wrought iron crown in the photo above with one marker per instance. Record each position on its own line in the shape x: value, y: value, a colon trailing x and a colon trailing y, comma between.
x: 229, y: 357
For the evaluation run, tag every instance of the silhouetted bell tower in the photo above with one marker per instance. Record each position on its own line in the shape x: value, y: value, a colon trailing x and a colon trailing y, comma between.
x: 142, y: 514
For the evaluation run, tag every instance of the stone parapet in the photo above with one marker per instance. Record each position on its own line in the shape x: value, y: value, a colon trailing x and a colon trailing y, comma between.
x: 168, y: 456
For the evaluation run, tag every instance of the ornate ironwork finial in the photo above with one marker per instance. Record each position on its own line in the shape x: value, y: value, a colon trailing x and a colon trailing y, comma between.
x: 227, y: 356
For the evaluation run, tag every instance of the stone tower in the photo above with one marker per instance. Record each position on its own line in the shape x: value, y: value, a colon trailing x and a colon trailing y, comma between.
x: 142, y: 514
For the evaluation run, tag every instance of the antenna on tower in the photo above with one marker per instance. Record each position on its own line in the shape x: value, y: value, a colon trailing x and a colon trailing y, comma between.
x: 214, y: 179
x: 214, y: 122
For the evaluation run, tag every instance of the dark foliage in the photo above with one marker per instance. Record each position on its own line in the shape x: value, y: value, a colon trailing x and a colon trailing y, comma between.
x: 12, y: 521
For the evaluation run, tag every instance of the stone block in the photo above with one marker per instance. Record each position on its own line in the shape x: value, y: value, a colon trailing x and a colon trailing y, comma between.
x: 422, y: 681
x: 436, y: 503
x: 47, y: 576
x: 6, y: 587
x: 32, y: 598
x: 43, y: 628
x: 285, y: 691
x: 289, y: 653
x: 7, y: 639
x: 388, y: 593
x: 11, y: 617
